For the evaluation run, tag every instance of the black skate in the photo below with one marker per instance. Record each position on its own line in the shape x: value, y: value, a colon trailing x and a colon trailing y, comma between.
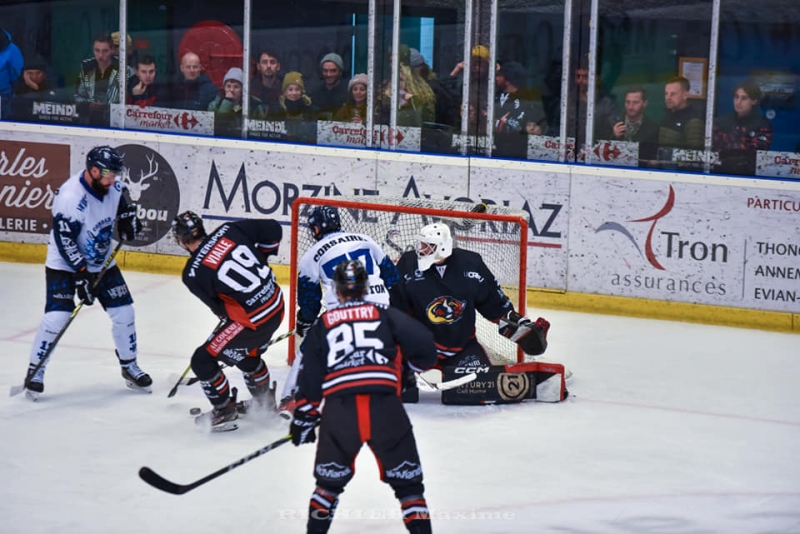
x: 222, y: 419
x: 262, y: 404
x: 34, y: 384
x: 135, y: 378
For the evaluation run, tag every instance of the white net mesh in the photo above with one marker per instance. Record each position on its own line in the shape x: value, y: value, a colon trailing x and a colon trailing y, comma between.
x: 497, y: 235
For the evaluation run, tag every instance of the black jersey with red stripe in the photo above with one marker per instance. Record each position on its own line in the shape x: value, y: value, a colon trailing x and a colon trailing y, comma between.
x: 230, y: 274
x: 359, y: 347
x: 446, y: 297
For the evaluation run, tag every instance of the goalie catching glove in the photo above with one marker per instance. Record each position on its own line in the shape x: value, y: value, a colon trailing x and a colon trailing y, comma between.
x: 530, y: 336
x: 128, y: 224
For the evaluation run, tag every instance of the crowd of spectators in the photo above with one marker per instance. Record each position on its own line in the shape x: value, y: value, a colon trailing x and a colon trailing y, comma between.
x: 423, y: 100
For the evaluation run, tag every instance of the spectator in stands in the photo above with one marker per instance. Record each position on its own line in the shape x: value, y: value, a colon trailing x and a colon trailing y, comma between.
x: 38, y: 80
x: 331, y: 92
x: 142, y: 88
x: 416, y: 101
x: 192, y: 88
x: 11, y: 63
x: 132, y: 59
x: 267, y: 84
x: 606, y: 111
x: 98, y: 83
x: 228, y: 105
x: 479, y: 79
x: 739, y: 135
x: 296, y: 110
x: 447, y: 108
x: 683, y: 124
x: 516, y: 113
x: 636, y: 126
x: 355, y: 109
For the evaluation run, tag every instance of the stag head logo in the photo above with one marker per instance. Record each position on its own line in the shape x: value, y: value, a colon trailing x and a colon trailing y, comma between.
x: 136, y: 188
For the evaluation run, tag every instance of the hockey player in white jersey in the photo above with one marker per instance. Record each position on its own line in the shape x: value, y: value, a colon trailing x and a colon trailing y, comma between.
x: 315, y: 274
x: 85, y: 209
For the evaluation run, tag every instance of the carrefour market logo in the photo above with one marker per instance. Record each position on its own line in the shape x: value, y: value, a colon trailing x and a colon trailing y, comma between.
x: 152, y: 186
x: 675, y: 246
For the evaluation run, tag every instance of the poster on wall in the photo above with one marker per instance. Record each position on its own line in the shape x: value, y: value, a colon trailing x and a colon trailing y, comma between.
x: 163, y: 119
x: 30, y: 175
x: 686, y: 242
x: 542, y: 196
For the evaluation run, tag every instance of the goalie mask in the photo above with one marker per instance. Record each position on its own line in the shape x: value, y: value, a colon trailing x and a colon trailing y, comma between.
x: 187, y: 227
x: 323, y: 220
x: 350, y: 279
x: 434, y: 244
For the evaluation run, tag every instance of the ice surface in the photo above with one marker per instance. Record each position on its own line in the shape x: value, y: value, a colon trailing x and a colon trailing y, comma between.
x: 671, y: 428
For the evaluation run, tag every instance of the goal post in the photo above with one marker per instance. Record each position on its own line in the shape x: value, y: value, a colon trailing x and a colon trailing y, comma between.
x: 499, y: 235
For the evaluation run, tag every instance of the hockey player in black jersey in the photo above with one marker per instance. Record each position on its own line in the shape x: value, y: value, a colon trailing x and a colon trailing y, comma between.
x: 228, y: 271
x: 351, y: 359
x: 444, y: 287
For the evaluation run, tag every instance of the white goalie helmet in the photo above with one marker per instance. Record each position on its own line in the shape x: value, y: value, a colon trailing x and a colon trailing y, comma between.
x: 434, y: 244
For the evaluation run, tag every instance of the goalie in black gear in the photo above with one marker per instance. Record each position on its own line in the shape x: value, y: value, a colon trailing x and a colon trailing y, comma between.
x: 444, y: 287
x: 229, y: 272
x: 351, y: 359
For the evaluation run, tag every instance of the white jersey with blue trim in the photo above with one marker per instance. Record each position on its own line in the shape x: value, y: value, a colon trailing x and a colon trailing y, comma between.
x: 83, y: 225
x: 317, y: 265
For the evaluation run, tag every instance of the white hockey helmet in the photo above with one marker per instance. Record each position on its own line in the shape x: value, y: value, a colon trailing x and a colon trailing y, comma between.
x: 434, y: 244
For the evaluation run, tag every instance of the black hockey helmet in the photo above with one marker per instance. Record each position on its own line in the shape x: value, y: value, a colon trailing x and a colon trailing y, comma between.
x: 186, y: 227
x: 350, y: 279
x: 105, y: 158
x: 322, y: 220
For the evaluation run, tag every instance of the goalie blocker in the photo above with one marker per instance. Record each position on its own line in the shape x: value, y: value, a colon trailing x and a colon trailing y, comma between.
x: 507, y: 384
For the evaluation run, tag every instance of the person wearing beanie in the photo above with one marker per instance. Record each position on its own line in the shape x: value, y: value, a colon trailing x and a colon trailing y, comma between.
x: 228, y: 105
x: 132, y: 58
x: 331, y: 91
x: 355, y: 109
x: 416, y: 59
x: 516, y: 113
x: 296, y: 110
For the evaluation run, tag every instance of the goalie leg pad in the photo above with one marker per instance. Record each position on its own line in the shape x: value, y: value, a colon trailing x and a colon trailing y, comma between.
x: 507, y: 384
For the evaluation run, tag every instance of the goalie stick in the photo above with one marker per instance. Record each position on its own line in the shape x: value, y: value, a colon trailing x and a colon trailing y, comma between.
x: 16, y: 390
x: 159, y: 482
x: 194, y: 379
x: 444, y: 386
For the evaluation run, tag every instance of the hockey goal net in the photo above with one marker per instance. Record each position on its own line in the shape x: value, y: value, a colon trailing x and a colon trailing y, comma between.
x: 499, y: 235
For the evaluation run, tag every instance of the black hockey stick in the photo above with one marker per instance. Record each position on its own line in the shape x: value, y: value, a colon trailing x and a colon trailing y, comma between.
x: 16, y: 390
x: 159, y: 482
x: 194, y: 379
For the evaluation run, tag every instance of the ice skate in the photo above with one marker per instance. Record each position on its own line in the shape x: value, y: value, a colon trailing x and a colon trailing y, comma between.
x: 220, y: 419
x: 34, y: 384
x: 135, y: 378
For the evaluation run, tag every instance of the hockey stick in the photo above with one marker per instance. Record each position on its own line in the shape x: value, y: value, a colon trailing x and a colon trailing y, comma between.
x: 443, y: 386
x: 174, y: 389
x: 159, y: 482
x: 16, y: 390
x: 194, y: 379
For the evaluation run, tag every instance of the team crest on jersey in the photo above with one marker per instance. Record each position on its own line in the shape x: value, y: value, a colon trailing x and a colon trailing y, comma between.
x: 445, y: 309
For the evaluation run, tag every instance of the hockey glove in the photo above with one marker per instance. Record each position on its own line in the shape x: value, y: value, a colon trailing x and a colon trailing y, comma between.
x: 302, y: 327
x: 530, y: 336
x: 302, y: 428
x: 128, y: 224
x: 84, y: 282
